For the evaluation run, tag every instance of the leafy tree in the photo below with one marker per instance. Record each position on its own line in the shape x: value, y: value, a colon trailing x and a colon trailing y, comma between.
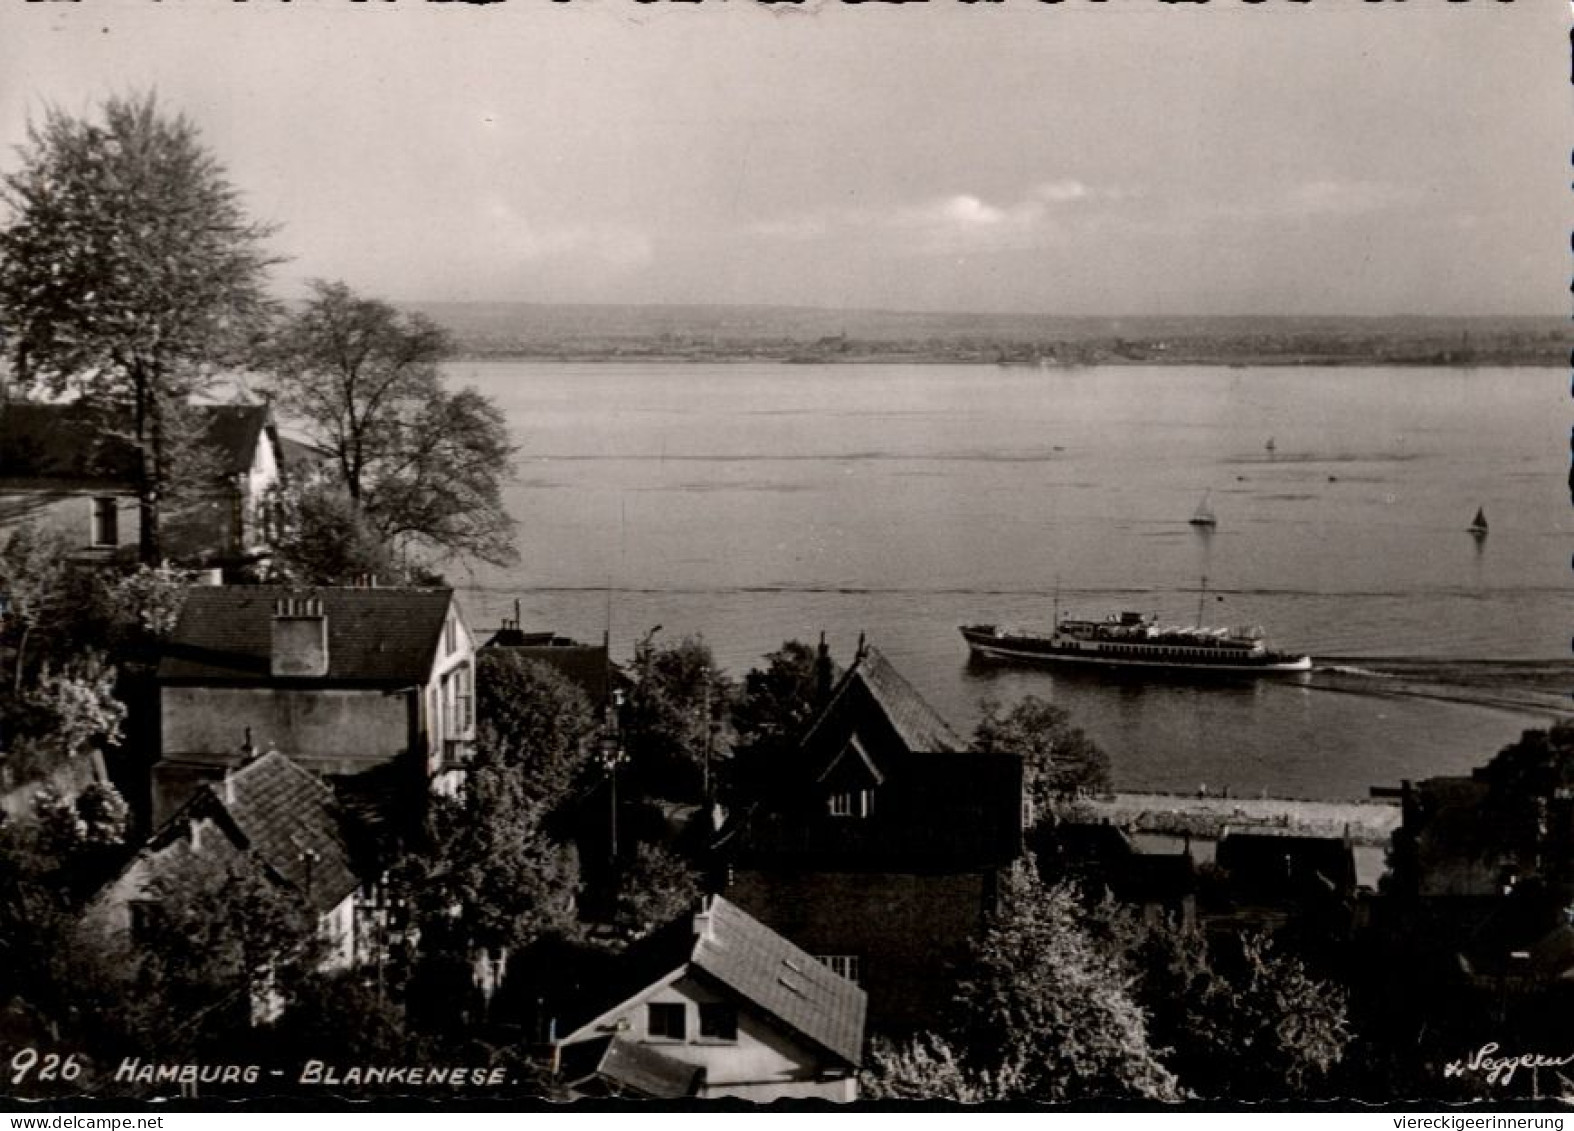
x: 215, y: 960
x: 37, y: 583
x: 1243, y: 1019
x: 928, y: 1068
x: 675, y: 720
x: 325, y: 539
x: 1059, y: 761
x: 654, y: 888
x: 422, y: 465
x: 1044, y: 1007
x: 1291, y: 1024
x: 141, y: 608
x: 67, y: 713
x: 37, y: 914
x: 128, y: 271
x: 539, y: 724
x: 775, y: 705
x: 491, y: 878
x: 337, y: 1017
x: 84, y: 834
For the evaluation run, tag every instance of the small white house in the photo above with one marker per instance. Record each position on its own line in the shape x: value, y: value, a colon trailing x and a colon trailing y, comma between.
x: 268, y: 814
x: 717, y: 1004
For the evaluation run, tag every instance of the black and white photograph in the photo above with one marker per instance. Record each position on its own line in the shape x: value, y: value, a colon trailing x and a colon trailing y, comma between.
x: 681, y: 554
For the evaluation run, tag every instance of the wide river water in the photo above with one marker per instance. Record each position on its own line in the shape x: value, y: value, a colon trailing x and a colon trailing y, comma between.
x: 753, y: 503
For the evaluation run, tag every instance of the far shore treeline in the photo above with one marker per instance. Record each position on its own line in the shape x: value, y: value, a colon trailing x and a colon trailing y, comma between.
x: 549, y: 331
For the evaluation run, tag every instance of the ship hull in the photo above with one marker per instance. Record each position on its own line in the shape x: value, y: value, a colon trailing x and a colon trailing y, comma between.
x: 989, y: 645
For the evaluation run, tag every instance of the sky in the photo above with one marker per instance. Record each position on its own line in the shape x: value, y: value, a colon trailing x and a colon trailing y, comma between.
x: 1107, y: 158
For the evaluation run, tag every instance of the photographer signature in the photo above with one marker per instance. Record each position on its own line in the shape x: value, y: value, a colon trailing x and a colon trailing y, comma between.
x: 1500, y: 1069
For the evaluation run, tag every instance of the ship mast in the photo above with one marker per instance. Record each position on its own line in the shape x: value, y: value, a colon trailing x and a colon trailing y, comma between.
x: 1201, y: 597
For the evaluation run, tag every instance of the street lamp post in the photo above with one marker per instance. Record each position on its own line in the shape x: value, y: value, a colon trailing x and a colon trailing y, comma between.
x: 612, y: 756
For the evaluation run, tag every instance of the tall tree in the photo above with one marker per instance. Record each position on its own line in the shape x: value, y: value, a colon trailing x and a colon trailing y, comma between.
x: 1046, y: 1008
x: 1239, y: 1018
x: 491, y: 876
x: 425, y: 466
x: 128, y: 271
x: 540, y: 725
x: 774, y: 706
x: 37, y: 593
x: 1059, y: 761
x: 676, y: 719
x: 324, y: 539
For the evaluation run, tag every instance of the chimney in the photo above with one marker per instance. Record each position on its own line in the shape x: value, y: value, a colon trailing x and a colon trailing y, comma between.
x: 702, y: 920
x: 300, y: 637
x: 824, y: 675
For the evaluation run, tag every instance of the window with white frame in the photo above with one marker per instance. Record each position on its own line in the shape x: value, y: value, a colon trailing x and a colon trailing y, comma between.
x: 667, y: 1020
x: 464, y: 698
x: 852, y: 803
x: 846, y: 966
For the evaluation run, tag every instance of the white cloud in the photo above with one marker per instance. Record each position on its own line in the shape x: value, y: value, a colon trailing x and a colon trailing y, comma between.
x: 957, y: 223
x: 1062, y: 192
x: 612, y: 245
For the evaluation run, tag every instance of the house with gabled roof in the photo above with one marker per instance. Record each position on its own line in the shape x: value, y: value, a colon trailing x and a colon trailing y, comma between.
x: 267, y: 814
x: 878, y: 843
x: 346, y: 680
x: 715, y: 1004
x: 62, y: 466
x: 587, y: 666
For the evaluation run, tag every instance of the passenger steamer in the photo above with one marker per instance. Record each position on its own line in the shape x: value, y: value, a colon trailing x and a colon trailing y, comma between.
x: 1132, y: 640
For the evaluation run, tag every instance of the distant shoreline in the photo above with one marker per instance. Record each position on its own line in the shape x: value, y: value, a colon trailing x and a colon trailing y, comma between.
x: 733, y: 335
x: 614, y: 357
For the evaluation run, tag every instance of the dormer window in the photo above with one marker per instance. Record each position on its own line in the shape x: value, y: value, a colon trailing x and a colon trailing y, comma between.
x: 718, y: 1021
x: 666, y: 1020
x: 852, y: 803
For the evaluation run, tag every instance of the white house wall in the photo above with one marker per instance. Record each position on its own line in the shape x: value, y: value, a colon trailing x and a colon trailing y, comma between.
x: 358, y: 728
x: 764, y: 1063
x: 69, y: 512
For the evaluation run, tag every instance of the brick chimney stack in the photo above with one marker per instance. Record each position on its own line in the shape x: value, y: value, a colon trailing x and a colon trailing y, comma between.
x: 300, y: 638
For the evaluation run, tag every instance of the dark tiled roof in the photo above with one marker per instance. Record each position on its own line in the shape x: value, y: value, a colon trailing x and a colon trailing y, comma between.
x: 1272, y: 864
x: 890, y: 719
x: 272, y: 808
x: 63, y: 442
x: 375, y: 636
x: 784, y: 982
x: 231, y: 432
x: 936, y: 806
x: 298, y: 456
x: 631, y: 1068
x: 586, y: 666
x: 289, y: 819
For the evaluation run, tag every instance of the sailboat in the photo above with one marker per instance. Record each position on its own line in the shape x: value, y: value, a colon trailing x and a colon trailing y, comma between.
x: 1270, y: 446
x: 1479, y: 526
x: 1204, y: 515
